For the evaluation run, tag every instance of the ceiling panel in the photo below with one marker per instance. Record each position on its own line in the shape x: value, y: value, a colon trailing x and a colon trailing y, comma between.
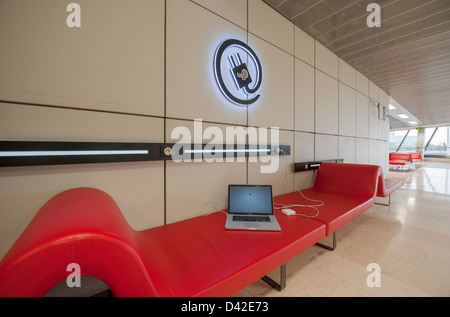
x: 408, y: 56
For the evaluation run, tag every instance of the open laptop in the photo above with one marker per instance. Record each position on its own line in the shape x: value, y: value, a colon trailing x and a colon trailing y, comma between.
x: 250, y: 207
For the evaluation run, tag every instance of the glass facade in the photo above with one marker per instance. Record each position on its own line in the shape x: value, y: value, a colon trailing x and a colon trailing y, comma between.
x: 403, y: 141
x: 395, y: 138
x: 436, y: 141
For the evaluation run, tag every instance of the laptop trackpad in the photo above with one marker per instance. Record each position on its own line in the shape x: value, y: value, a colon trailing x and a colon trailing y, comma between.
x: 252, y: 225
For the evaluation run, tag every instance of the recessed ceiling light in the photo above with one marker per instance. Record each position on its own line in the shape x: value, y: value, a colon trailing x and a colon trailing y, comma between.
x: 413, y: 122
x: 391, y: 107
x: 403, y: 116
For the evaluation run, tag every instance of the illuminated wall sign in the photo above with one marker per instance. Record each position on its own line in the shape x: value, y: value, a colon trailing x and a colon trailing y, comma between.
x: 238, y: 80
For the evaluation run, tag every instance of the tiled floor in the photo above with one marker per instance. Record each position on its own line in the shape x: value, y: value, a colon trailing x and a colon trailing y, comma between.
x: 410, y: 240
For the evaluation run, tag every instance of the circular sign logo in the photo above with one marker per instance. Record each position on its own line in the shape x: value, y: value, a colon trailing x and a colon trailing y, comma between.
x: 238, y: 80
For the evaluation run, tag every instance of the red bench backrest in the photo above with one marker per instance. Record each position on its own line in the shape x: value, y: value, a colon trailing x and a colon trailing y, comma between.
x: 83, y: 226
x: 354, y: 179
x: 400, y: 156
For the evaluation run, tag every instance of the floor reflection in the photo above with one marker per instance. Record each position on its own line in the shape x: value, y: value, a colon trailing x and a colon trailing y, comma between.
x: 428, y: 176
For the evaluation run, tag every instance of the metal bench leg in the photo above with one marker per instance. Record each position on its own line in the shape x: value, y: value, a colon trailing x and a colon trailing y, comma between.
x: 388, y: 204
x: 279, y: 287
x: 328, y: 247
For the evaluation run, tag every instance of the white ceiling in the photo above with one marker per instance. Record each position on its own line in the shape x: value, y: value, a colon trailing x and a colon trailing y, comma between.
x: 408, y: 56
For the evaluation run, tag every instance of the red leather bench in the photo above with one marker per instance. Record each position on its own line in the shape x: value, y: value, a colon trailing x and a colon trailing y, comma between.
x: 416, y: 157
x: 400, y: 159
x: 386, y: 186
x: 346, y: 190
x: 195, y: 257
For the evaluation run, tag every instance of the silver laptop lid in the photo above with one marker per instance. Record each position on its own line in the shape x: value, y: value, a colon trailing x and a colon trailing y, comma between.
x: 250, y: 199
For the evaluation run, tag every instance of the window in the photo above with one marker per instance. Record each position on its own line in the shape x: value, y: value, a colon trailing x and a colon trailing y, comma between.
x: 395, y: 138
x: 437, y: 141
x: 403, y: 140
x: 428, y: 134
x: 410, y: 142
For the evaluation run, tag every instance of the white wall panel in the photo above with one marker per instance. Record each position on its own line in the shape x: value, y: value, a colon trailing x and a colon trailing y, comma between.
x: 275, y: 107
x: 362, y: 116
x: 326, y: 147
x: 304, y: 152
x: 327, y: 104
x: 327, y: 61
x: 347, y: 74
x: 304, y: 46
x: 347, y: 149
x: 232, y: 10
x: 193, y: 35
x: 282, y: 177
x: 268, y: 24
x: 362, y: 151
x: 386, y: 156
x: 373, y: 91
x: 347, y: 110
x: 382, y: 158
x: 304, y: 96
x: 373, y: 152
x: 383, y: 98
x: 383, y: 129
x: 194, y: 189
x: 362, y: 83
x: 373, y: 121
x: 33, y: 123
x: 96, y: 66
x: 184, y: 180
x: 304, y: 147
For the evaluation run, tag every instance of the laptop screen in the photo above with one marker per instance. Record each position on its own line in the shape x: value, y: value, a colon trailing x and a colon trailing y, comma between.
x: 250, y: 199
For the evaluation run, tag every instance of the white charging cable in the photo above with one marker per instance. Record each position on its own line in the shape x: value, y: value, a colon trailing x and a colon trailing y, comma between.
x: 289, y: 206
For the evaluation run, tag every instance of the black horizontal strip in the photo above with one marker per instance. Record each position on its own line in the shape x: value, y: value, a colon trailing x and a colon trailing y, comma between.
x: 32, y: 153
x: 210, y: 151
x: 312, y: 165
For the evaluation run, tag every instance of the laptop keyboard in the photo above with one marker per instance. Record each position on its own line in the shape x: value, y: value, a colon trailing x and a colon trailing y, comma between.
x: 252, y: 218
